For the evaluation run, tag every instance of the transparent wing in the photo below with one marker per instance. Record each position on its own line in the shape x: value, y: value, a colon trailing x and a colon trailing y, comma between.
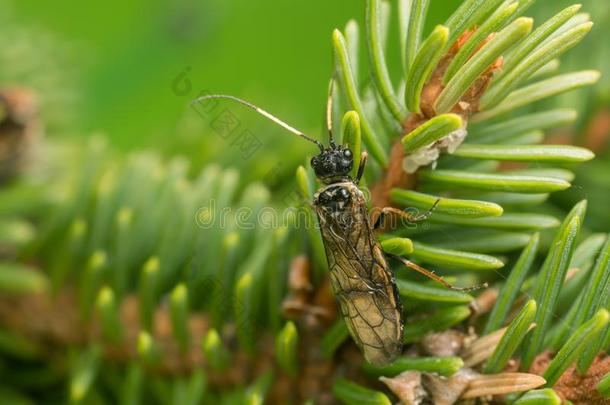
x: 364, y: 286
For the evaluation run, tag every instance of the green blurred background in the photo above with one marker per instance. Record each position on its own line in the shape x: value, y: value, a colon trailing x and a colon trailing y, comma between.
x: 129, y: 69
x: 114, y: 67
x: 275, y: 52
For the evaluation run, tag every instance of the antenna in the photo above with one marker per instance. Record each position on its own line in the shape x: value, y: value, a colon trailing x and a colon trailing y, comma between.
x: 261, y: 112
x: 329, y: 112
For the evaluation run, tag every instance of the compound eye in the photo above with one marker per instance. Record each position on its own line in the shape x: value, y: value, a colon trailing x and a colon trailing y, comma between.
x: 347, y: 153
x: 314, y: 161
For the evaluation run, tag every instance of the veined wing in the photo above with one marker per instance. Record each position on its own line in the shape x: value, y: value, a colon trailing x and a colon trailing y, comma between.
x: 363, y: 285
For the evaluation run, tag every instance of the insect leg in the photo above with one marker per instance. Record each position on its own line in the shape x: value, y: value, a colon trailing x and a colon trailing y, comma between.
x: 403, y: 214
x: 361, y: 166
x: 432, y: 276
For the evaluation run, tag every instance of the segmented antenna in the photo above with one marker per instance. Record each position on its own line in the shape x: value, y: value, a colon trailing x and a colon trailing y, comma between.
x: 262, y: 112
x: 329, y: 112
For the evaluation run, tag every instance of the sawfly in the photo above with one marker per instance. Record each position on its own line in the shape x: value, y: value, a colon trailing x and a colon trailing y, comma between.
x: 362, y: 281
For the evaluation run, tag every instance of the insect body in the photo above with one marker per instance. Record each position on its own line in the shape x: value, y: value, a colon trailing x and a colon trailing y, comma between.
x: 359, y: 273
x: 361, y: 278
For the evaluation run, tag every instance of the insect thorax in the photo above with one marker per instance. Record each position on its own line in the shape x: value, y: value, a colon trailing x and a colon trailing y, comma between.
x: 338, y: 201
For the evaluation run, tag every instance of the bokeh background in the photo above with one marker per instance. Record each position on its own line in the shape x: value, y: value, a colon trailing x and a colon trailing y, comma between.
x: 129, y: 69
x: 126, y: 72
x: 276, y: 52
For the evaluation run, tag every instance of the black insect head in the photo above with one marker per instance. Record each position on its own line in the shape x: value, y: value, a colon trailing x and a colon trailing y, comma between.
x: 333, y: 163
